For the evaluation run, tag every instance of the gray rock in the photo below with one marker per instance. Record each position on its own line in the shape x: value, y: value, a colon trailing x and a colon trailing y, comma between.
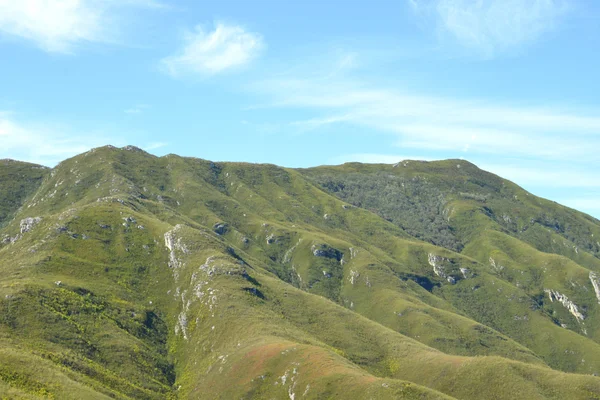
x: 27, y: 224
x: 220, y: 228
x: 326, y: 251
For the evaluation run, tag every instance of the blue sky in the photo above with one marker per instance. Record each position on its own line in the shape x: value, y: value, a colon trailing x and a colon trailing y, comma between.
x: 511, y: 85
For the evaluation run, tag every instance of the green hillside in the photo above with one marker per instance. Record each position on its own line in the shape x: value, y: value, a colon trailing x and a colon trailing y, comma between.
x: 129, y: 276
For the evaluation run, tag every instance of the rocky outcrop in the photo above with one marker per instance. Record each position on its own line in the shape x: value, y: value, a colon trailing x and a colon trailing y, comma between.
x: 174, y: 244
x: 134, y: 149
x: 220, y: 228
x: 181, y: 325
x: 354, y: 275
x: 595, y: 279
x: 326, y: 251
x: 28, y: 224
x: 568, y: 304
x: 128, y: 221
x: 287, y: 257
x: 353, y: 252
x: 496, y: 266
x: 439, y: 269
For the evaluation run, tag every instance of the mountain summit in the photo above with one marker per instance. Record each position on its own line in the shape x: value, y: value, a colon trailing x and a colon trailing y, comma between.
x: 130, y: 276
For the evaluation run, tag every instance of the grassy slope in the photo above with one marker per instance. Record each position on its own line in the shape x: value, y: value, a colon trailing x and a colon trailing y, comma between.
x: 530, y: 244
x: 18, y: 180
x: 244, y: 329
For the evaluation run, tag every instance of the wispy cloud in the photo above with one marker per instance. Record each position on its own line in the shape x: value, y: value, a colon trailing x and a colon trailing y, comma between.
x: 493, y: 26
x: 137, y: 109
x: 455, y: 126
x: 548, y: 149
x: 41, y: 143
x: 59, y: 26
x: 208, y: 53
x: 155, y: 145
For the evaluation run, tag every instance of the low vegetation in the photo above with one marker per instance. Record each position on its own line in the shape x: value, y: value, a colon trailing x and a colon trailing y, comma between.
x: 129, y: 276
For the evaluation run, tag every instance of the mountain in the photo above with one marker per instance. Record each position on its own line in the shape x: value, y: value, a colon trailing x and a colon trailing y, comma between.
x: 130, y: 276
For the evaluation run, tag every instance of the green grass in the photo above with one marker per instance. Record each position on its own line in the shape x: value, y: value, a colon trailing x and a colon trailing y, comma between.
x: 18, y: 180
x: 93, y: 304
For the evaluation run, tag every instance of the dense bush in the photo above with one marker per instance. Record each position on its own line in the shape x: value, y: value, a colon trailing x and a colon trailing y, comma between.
x: 412, y: 204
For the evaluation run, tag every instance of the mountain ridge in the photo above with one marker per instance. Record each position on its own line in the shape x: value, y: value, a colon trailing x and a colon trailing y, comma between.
x: 406, y: 316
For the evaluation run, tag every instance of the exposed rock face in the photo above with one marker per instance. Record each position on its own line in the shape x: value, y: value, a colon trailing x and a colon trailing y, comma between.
x: 435, y: 261
x: 133, y: 148
x: 27, y: 224
x: 568, y: 304
x: 438, y: 268
x: 326, y: 251
x: 353, y: 278
x: 287, y: 257
x: 353, y: 252
x: 497, y: 267
x: 173, y: 244
x: 182, y: 324
x: 220, y: 228
x: 595, y: 278
x: 201, y: 291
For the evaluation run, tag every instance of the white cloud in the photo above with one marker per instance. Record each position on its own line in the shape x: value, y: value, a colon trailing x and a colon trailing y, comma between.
x: 492, y: 26
x: 59, y: 25
x: 49, y: 143
x: 207, y: 53
x: 42, y: 144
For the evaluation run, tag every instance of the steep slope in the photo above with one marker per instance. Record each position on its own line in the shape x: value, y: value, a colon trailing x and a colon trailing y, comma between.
x: 541, y: 251
x: 18, y: 180
x: 131, y: 276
